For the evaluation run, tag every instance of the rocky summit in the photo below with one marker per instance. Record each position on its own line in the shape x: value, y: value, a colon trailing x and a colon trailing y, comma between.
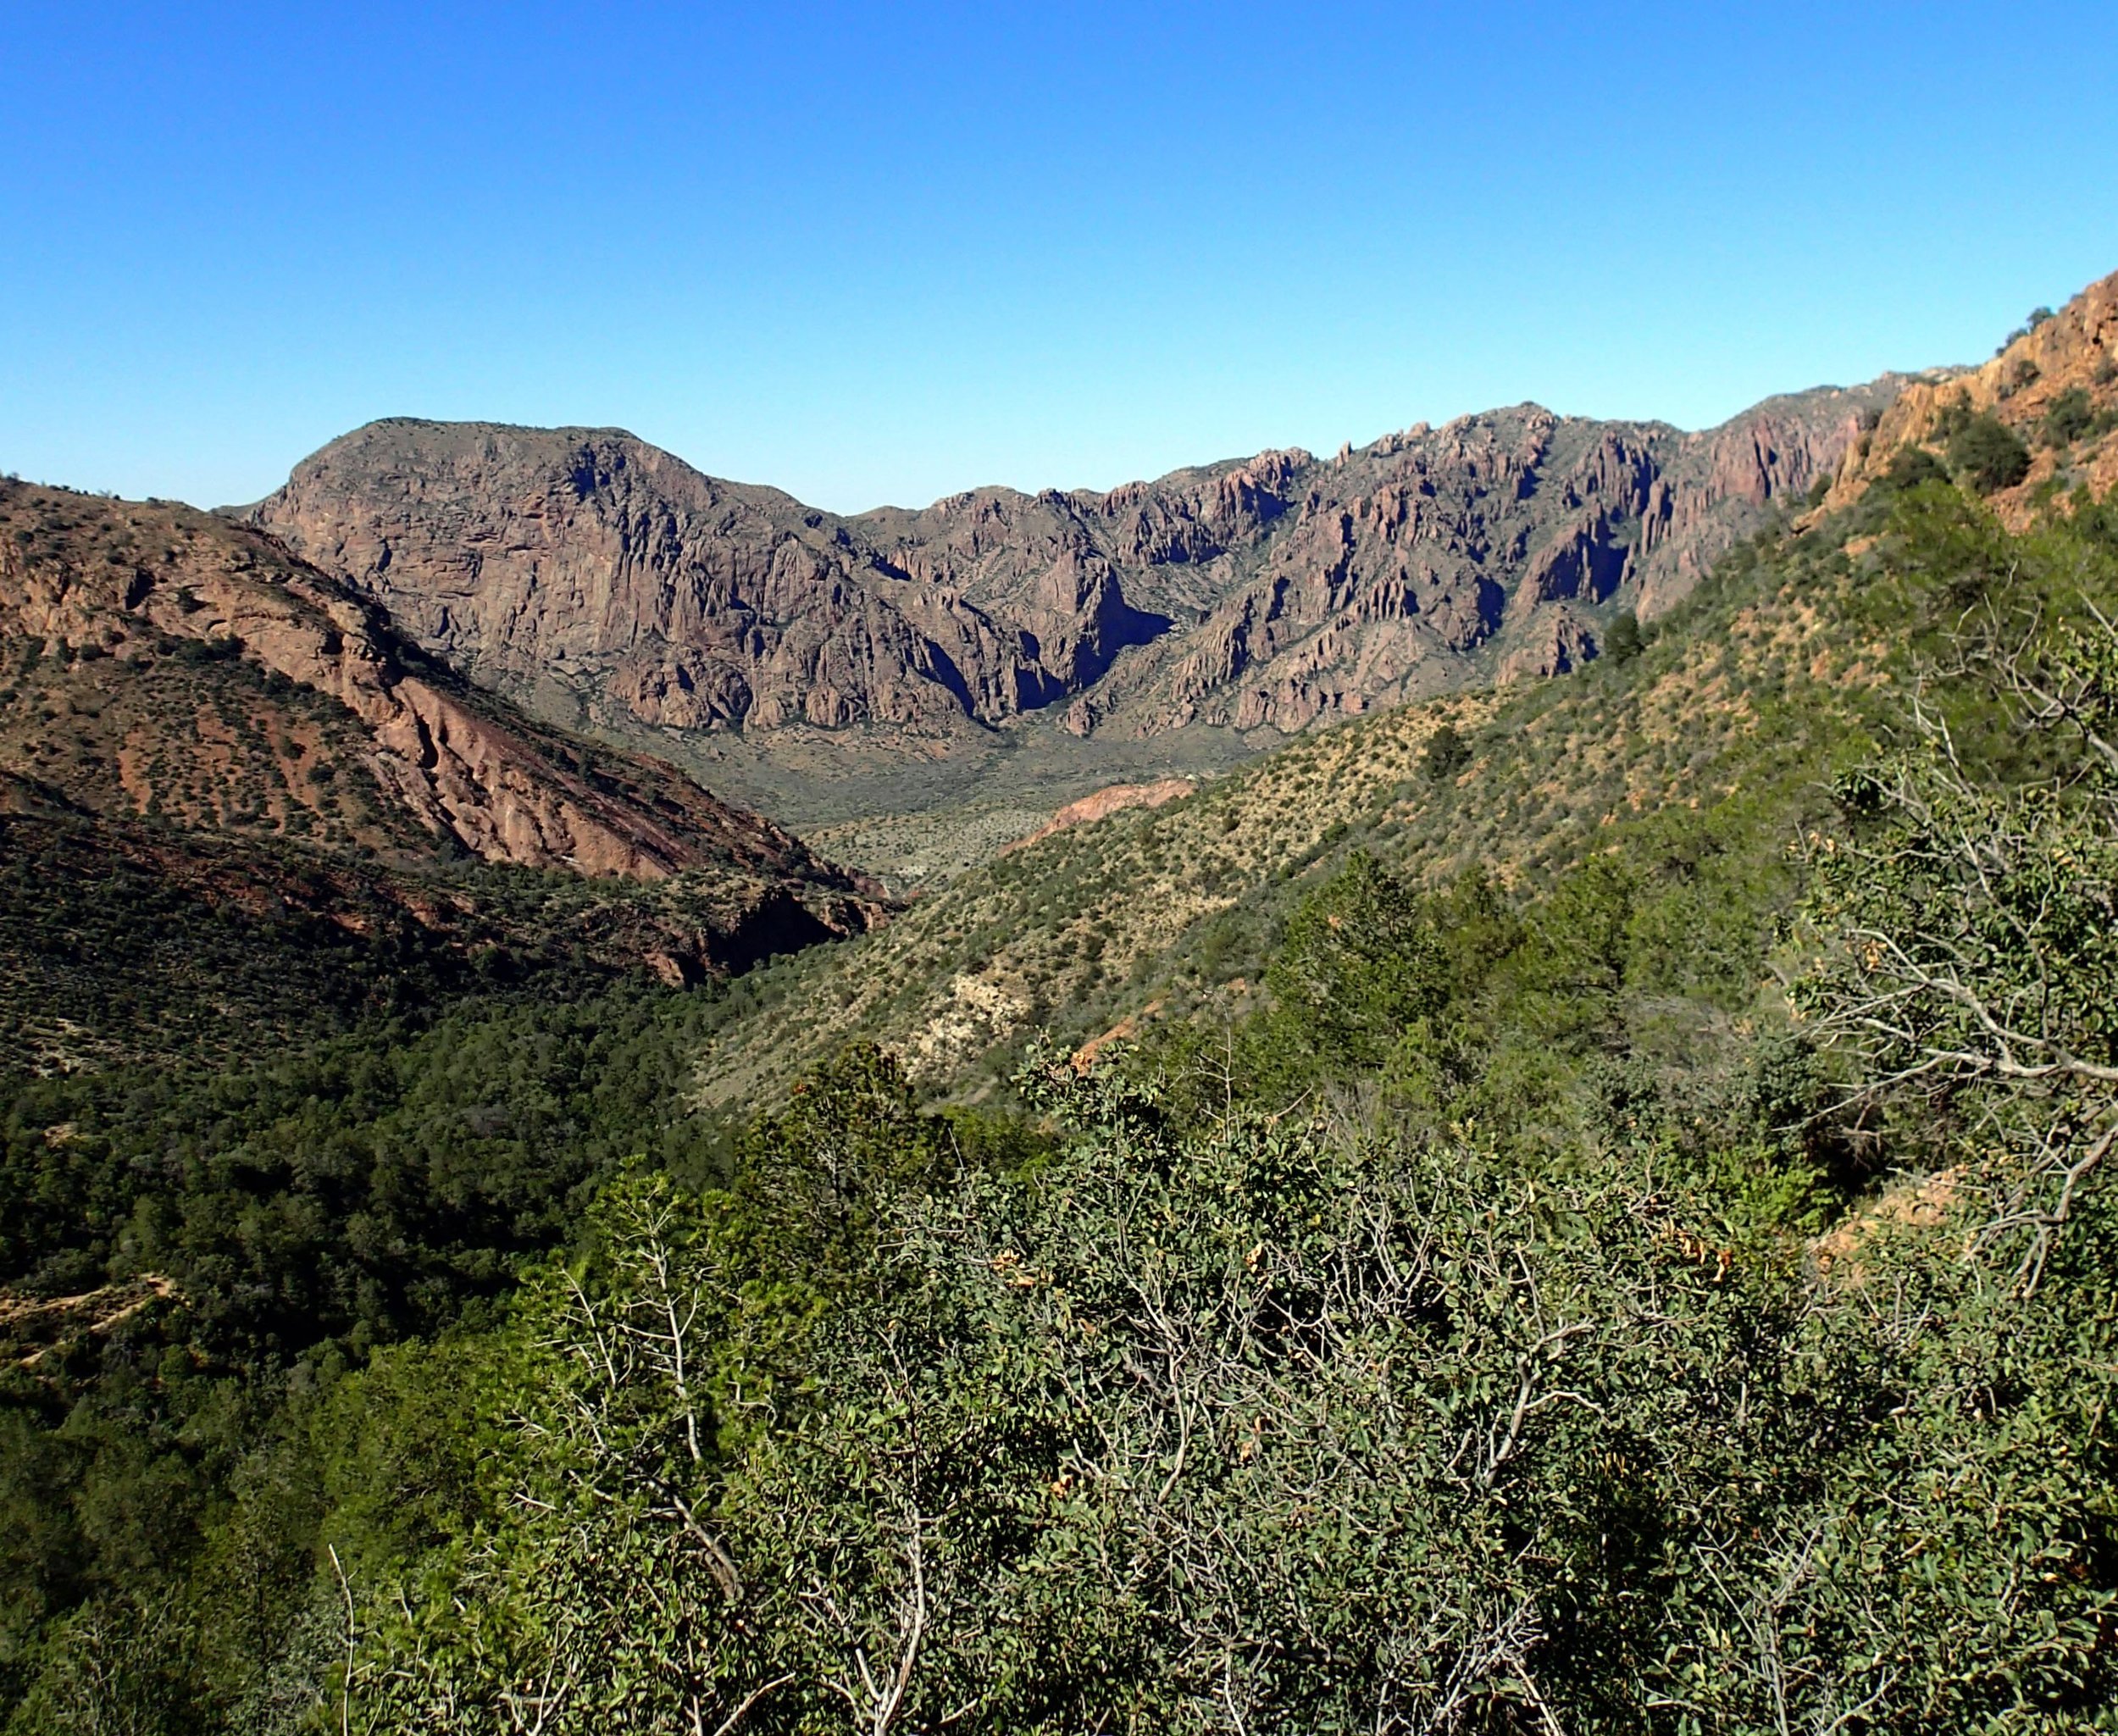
x: 594, y: 577
x: 2053, y: 386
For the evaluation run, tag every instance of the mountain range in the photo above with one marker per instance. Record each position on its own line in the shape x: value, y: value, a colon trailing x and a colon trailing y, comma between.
x: 1165, y: 625
x: 1700, y: 749
x: 463, y: 692
x: 470, y: 1257
x: 193, y: 722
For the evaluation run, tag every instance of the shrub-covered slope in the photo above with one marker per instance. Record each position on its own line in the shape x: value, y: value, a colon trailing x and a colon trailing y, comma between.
x: 124, y: 942
x: 1698, y: 757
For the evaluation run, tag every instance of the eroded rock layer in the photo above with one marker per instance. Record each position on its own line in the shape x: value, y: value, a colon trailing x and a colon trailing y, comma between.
x: 1267, y: 593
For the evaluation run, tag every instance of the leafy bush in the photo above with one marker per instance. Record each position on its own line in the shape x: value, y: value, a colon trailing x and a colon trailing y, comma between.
x: 2068, y: 417
x: 1986, y: 454
x: 1268, y: 1429
x: 1909, y: 468
x: 1446, y: 754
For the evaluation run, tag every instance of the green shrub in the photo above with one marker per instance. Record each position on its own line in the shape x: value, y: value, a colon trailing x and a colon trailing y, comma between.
x: 1985, y: 452
x: 1625, y: 641
x: 2068, y: 417
x: 1446, y: 754
x: 1955, y: 416
x: 1910, y: 467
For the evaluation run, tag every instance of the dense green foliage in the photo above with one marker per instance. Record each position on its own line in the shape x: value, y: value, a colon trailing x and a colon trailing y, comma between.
x: 297, y: 1212
x: 1666, y: 1286
x: 2068, y: 417
x: 110, y: 955
x: 1983, y: 449
x: 1625, y: 639
x: 128, y: 942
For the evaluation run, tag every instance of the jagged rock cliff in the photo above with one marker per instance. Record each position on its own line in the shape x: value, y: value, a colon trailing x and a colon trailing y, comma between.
x: 692, y: 602
x: 1271, y: 592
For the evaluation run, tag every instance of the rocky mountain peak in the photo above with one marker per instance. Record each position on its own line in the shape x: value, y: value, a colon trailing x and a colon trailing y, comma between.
x: 193, y: 671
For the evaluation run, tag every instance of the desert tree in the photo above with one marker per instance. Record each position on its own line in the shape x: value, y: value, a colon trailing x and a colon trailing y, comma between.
x: 1974, y: 963
x: 603, y: 1594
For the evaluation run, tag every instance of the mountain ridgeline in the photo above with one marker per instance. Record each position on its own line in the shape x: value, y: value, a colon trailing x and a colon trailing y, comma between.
x: 587, y: 573
x: 194, y: 723
x: 147, y: 611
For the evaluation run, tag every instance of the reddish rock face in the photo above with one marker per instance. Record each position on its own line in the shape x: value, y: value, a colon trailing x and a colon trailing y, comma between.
x: 1268, y: 593
x: 1115, y: 798
x: 521, y: 554
x: 168, y: 629
x: 2074, y: 352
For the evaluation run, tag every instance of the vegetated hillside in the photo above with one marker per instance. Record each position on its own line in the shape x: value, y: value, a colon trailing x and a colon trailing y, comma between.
x: 1612, y: 1231
x: 128, y: 941
x: 1509, y: 1320
x: 157, y: 656
x: 1704, y: 750
x: 590, y: 575
x: 2040, y: 418
x: 194, y: 724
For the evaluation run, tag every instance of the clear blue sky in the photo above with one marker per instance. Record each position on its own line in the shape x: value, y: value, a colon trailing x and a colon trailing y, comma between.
x: 876, y: 252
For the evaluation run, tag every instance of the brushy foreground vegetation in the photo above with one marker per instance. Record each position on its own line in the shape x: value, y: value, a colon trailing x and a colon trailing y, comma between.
x: 1652, y: 1274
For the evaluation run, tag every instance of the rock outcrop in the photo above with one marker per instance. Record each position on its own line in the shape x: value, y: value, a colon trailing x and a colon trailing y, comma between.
x: 2072, y: 355
x: 1114, y: 798
x: 520, y: 554
x: 1484, y: 550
